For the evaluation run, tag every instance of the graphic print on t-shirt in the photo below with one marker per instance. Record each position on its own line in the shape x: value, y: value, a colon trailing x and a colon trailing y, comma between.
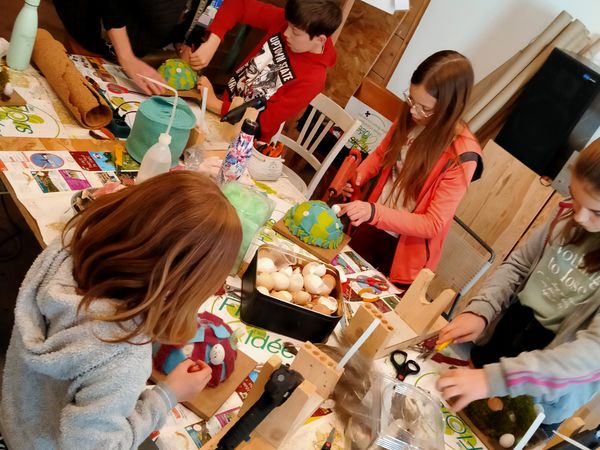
x: 264, y: 74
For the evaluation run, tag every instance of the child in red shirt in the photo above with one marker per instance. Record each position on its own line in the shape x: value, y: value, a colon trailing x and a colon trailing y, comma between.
x: 288, y: 66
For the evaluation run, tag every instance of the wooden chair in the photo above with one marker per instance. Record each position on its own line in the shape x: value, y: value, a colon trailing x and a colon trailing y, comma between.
x: 324, y: 114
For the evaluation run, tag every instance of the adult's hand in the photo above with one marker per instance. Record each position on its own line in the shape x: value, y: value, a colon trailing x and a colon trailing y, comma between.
x: 204, y: 54
x: 184, y: 51
x: 132, y: 64
x: 134, y: 67
x: 188, y: 379
x: 358, y: 212
x: 459, y: 387
x: 465, y: 327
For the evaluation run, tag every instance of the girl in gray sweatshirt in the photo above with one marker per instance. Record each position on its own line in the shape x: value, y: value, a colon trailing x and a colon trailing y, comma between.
x: 133, y: 268
x: 536, y: 322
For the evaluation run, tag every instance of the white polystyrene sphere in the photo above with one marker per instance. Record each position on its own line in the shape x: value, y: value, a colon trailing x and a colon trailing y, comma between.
x: 8, y: 89
x: 287, y: 270
x: 282, y: 295
x: 314, y: 268
x: 265, y: 280
x: 217, y: 355
x: 265, y: 265
x: 312, y: 283
x: 296, y: 282
x: 507, y: 440
x: 280, y: 281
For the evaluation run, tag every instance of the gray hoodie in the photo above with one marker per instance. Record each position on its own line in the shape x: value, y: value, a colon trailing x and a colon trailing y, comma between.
x: 65, y: 388
x: 561, y: 377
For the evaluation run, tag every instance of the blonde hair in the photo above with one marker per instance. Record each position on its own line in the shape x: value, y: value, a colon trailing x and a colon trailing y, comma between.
x: 158, y: 249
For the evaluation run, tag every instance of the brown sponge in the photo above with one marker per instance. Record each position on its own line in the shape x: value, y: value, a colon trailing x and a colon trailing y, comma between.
x: 88, y: 107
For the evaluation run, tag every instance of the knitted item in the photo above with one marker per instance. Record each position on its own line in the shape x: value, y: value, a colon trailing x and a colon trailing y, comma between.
x: 314, y: 223
x: 212, y: 332
x: 178, y: 74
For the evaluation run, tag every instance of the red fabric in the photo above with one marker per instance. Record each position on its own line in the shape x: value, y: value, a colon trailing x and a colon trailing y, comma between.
x: 310, y: 69
x: 428, y: 224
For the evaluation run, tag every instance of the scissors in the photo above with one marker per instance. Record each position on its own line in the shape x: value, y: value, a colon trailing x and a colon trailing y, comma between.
x: 376, y: 282
x: 404, y: 366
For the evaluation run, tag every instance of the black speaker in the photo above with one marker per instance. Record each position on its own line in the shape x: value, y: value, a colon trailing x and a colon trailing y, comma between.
x: 557, y: 113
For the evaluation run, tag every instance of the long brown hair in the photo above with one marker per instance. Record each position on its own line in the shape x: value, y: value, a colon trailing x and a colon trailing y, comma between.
x: 158, y: 250
x: 587, y: 170
x: 448, y: 76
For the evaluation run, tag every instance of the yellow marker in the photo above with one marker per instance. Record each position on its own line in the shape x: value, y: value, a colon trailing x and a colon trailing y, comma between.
x: 442, y: 346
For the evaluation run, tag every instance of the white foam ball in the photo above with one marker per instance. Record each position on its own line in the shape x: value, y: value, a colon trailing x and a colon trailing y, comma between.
x: 507, y: 440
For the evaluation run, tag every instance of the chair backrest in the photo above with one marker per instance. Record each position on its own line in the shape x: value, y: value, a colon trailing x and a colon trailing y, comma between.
x: 465, y: 258
x: 324, y: 114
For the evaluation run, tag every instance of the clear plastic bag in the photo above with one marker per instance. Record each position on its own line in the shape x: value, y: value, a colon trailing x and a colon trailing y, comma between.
x: 396, y: 416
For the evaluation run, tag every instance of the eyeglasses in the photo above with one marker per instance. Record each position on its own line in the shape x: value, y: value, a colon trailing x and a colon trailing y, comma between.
x: 419, y: 109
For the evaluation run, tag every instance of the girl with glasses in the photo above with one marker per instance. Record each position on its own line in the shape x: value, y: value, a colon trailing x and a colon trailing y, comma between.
x: 422, y: 170
x: 536, y: 321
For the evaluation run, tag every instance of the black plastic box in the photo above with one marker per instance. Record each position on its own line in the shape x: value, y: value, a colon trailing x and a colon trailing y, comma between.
x: 282, y: 317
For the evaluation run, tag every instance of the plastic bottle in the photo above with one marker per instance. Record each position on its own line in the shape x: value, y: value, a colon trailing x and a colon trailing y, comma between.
x: 157, y: 159
x: 238, y: 153
x: 22, y: 37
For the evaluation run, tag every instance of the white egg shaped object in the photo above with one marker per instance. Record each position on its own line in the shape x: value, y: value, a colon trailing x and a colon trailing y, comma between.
x: 217, y: 355
x: 287, y: 270
x: 301, y: 297
x: 329, y: 280
x: 280, y: 281
x: 296, y: 282
x: 314, y: 268
x: 265, y: 265
x: 507, y: 440
x: 282, y: 295
x: 265, y: 280
x: 329, y: 302
x: 312, y: 283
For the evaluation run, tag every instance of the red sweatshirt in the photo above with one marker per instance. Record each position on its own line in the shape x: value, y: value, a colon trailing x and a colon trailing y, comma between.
x: 289, y: 80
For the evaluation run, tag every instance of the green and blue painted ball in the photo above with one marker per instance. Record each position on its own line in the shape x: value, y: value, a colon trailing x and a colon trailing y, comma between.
x: 178, y: 74
x: 314, y: 223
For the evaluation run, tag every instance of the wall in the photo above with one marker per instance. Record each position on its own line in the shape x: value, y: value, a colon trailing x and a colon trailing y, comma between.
x: 488, y: 32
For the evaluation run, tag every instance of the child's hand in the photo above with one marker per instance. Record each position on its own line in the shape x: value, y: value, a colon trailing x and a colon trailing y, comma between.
x: 465, y: 327
x: 203, y: 55
x: 348, y: 190
x: 212, y: 101
x: 188, y: 379
x: 459, y: 387
x: 358, y: 212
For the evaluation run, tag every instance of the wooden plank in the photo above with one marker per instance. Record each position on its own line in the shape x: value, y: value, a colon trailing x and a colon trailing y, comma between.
x: 404, y: 32
x: 318, y: 368
x: 207, y: 402
x: 501, y: 205
x: 364, y: 36
x: 386, y: 61
x: 324, y: 254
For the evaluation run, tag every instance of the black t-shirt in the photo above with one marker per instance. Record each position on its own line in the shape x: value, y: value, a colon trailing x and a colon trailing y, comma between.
x: 151, y: 24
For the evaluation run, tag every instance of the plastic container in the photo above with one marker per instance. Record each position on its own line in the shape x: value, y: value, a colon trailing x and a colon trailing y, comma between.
x: 22, y: 37
x: 152, y: 119
x: 285, y: 318
x: 157, y: 159
x: 238, y: 153
x: 254, y: 208
x: 263, y: 167
x: 395, y: 416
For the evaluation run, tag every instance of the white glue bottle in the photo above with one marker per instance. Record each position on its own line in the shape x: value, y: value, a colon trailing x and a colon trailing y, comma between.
x: 157, y: 159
